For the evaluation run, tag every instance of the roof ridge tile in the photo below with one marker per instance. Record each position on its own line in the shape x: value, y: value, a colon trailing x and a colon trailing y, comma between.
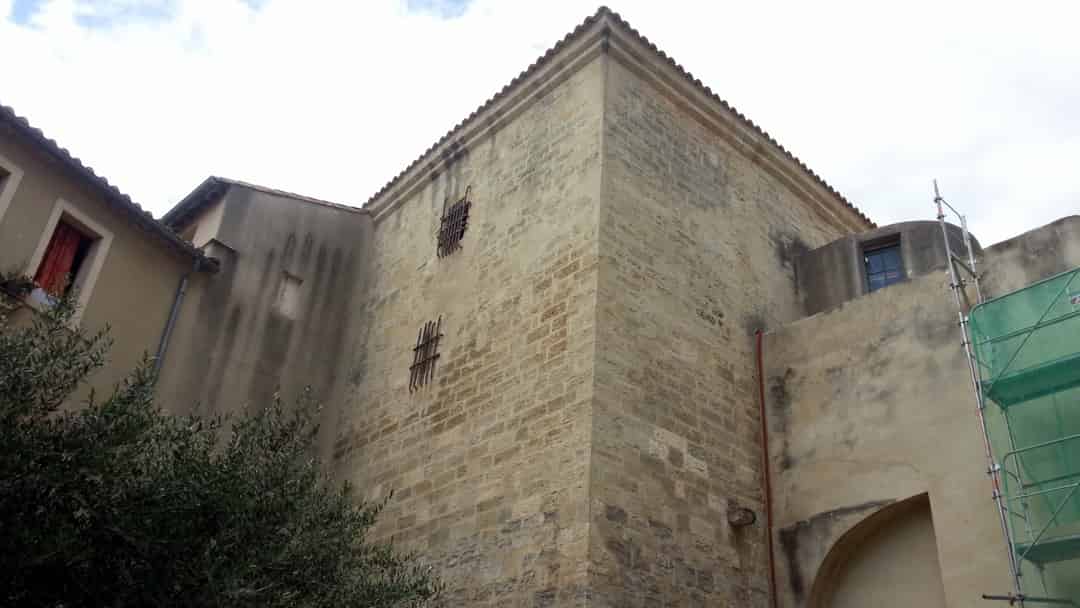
x: 604, y: 11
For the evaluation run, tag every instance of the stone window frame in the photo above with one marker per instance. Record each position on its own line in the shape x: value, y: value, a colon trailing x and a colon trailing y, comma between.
x: 10, y: 177
x: 90, y: 271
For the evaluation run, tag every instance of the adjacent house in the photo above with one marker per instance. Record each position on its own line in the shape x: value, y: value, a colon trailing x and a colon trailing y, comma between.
x: 281, y: 314
x: 67, y: 228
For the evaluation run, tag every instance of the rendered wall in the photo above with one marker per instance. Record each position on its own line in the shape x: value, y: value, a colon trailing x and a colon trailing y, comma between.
x: 138, y: 278
x: 871, y: 403
x: 697, y: 242
x: 489, y: 464
x: 894, y: 565
x: 235, y: 343
x: 1034, y: 255
x: 831, y: 275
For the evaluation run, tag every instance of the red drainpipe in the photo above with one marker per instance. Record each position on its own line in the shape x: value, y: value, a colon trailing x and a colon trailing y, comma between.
x: 767, y: 478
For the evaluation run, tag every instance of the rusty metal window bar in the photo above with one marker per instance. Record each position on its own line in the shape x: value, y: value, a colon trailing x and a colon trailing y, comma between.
x: 425, y: 354
x: 452, y: 227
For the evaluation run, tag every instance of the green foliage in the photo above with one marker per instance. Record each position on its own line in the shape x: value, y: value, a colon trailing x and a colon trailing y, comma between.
x: 15, y: 284
x: 117, y: 504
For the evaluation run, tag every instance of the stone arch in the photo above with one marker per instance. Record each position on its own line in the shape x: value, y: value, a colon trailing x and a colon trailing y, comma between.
x: 888, y: 559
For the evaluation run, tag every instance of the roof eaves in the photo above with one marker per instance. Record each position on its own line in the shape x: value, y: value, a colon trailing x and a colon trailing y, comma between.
x: 601, y: 13
x: 298, y: 197
x: 211, y: 188
x: 195, y: 200
x: 727, y: 106
x: 505, y: 91
x: 111, y: 193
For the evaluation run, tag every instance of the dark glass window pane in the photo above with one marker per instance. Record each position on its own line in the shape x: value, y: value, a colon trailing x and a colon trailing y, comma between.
x: 891, y: 258
x: 884, y: 267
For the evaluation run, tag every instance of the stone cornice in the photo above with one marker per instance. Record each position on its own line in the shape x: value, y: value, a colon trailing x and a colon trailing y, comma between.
x: 540, y: 78
x: 736, y: 130
x: 606, y: 32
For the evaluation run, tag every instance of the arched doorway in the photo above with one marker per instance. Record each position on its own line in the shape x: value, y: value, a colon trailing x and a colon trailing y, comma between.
x: 887, y: 560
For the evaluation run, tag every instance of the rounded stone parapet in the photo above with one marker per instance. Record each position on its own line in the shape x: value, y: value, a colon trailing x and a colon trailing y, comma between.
x: 835, y: 273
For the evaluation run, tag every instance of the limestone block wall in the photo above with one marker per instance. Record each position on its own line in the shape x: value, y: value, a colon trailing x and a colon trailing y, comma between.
x: 489, y: 465
x: 697, y: 242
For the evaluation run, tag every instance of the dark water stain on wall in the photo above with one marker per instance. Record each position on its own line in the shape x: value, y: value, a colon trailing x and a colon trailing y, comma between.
x: 341, y: 287
x: 289, y: 250
x: 934, y: 332
x: 788, y: 247
x: 221, y: 358
x: 320, y: 367
x: 814, y: 535
x: 268, y: 285
x: 753, y: 323
x: 273, y: 353
x: 780, y: 408
x: 209, y: 335
x: 315, y: 291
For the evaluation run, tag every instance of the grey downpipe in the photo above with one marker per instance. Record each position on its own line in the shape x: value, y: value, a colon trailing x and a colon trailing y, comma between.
x: 174, y: 313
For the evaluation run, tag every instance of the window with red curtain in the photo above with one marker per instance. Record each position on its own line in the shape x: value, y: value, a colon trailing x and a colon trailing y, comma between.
x: 66, y: 250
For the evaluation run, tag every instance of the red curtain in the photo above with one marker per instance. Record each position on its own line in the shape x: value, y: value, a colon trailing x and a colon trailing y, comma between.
x: 59, y: 255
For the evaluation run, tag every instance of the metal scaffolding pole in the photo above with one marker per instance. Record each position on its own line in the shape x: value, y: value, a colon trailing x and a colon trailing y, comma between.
x: 958, y: 285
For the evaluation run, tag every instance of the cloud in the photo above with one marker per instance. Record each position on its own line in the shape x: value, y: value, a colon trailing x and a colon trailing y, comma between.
x: 443, y: 8
x: 21, y: 11
x: 332, y: 99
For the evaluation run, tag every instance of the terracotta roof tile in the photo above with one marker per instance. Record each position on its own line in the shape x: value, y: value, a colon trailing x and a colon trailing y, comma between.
x: 574, y: 35
x: 111, y: 193
x: 213, y: 186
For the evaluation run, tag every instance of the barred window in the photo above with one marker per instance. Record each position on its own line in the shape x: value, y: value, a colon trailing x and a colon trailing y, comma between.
x: 425, y: 354
x: 452, y: 227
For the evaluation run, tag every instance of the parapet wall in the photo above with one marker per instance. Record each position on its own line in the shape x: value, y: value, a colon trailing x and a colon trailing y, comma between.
x: 869, y: 404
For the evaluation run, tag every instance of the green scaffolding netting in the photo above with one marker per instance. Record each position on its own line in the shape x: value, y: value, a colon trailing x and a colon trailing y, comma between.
x: 1027, y: 346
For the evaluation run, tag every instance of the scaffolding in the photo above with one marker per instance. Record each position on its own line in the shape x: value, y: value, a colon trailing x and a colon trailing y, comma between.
x: 1023, y: 353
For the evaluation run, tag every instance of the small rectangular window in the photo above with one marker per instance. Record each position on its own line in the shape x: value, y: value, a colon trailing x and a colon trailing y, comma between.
x: 884, y: 266
x: 64, y: 256
x: 452, y: 225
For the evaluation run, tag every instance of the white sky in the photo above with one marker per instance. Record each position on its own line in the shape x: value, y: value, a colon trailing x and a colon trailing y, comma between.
x: 333, y: 98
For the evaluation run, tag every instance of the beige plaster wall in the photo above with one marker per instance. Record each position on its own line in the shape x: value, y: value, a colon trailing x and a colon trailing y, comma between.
x: 894, y: 566
x: 138, y: 278
x: 489, y: 464
x: 871, y: 403
x: 238, y: 340
x: 697, y: 240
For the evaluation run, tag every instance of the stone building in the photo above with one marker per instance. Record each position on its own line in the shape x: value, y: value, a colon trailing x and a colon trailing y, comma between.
x: 593, y: 415
x: 553, y: 336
